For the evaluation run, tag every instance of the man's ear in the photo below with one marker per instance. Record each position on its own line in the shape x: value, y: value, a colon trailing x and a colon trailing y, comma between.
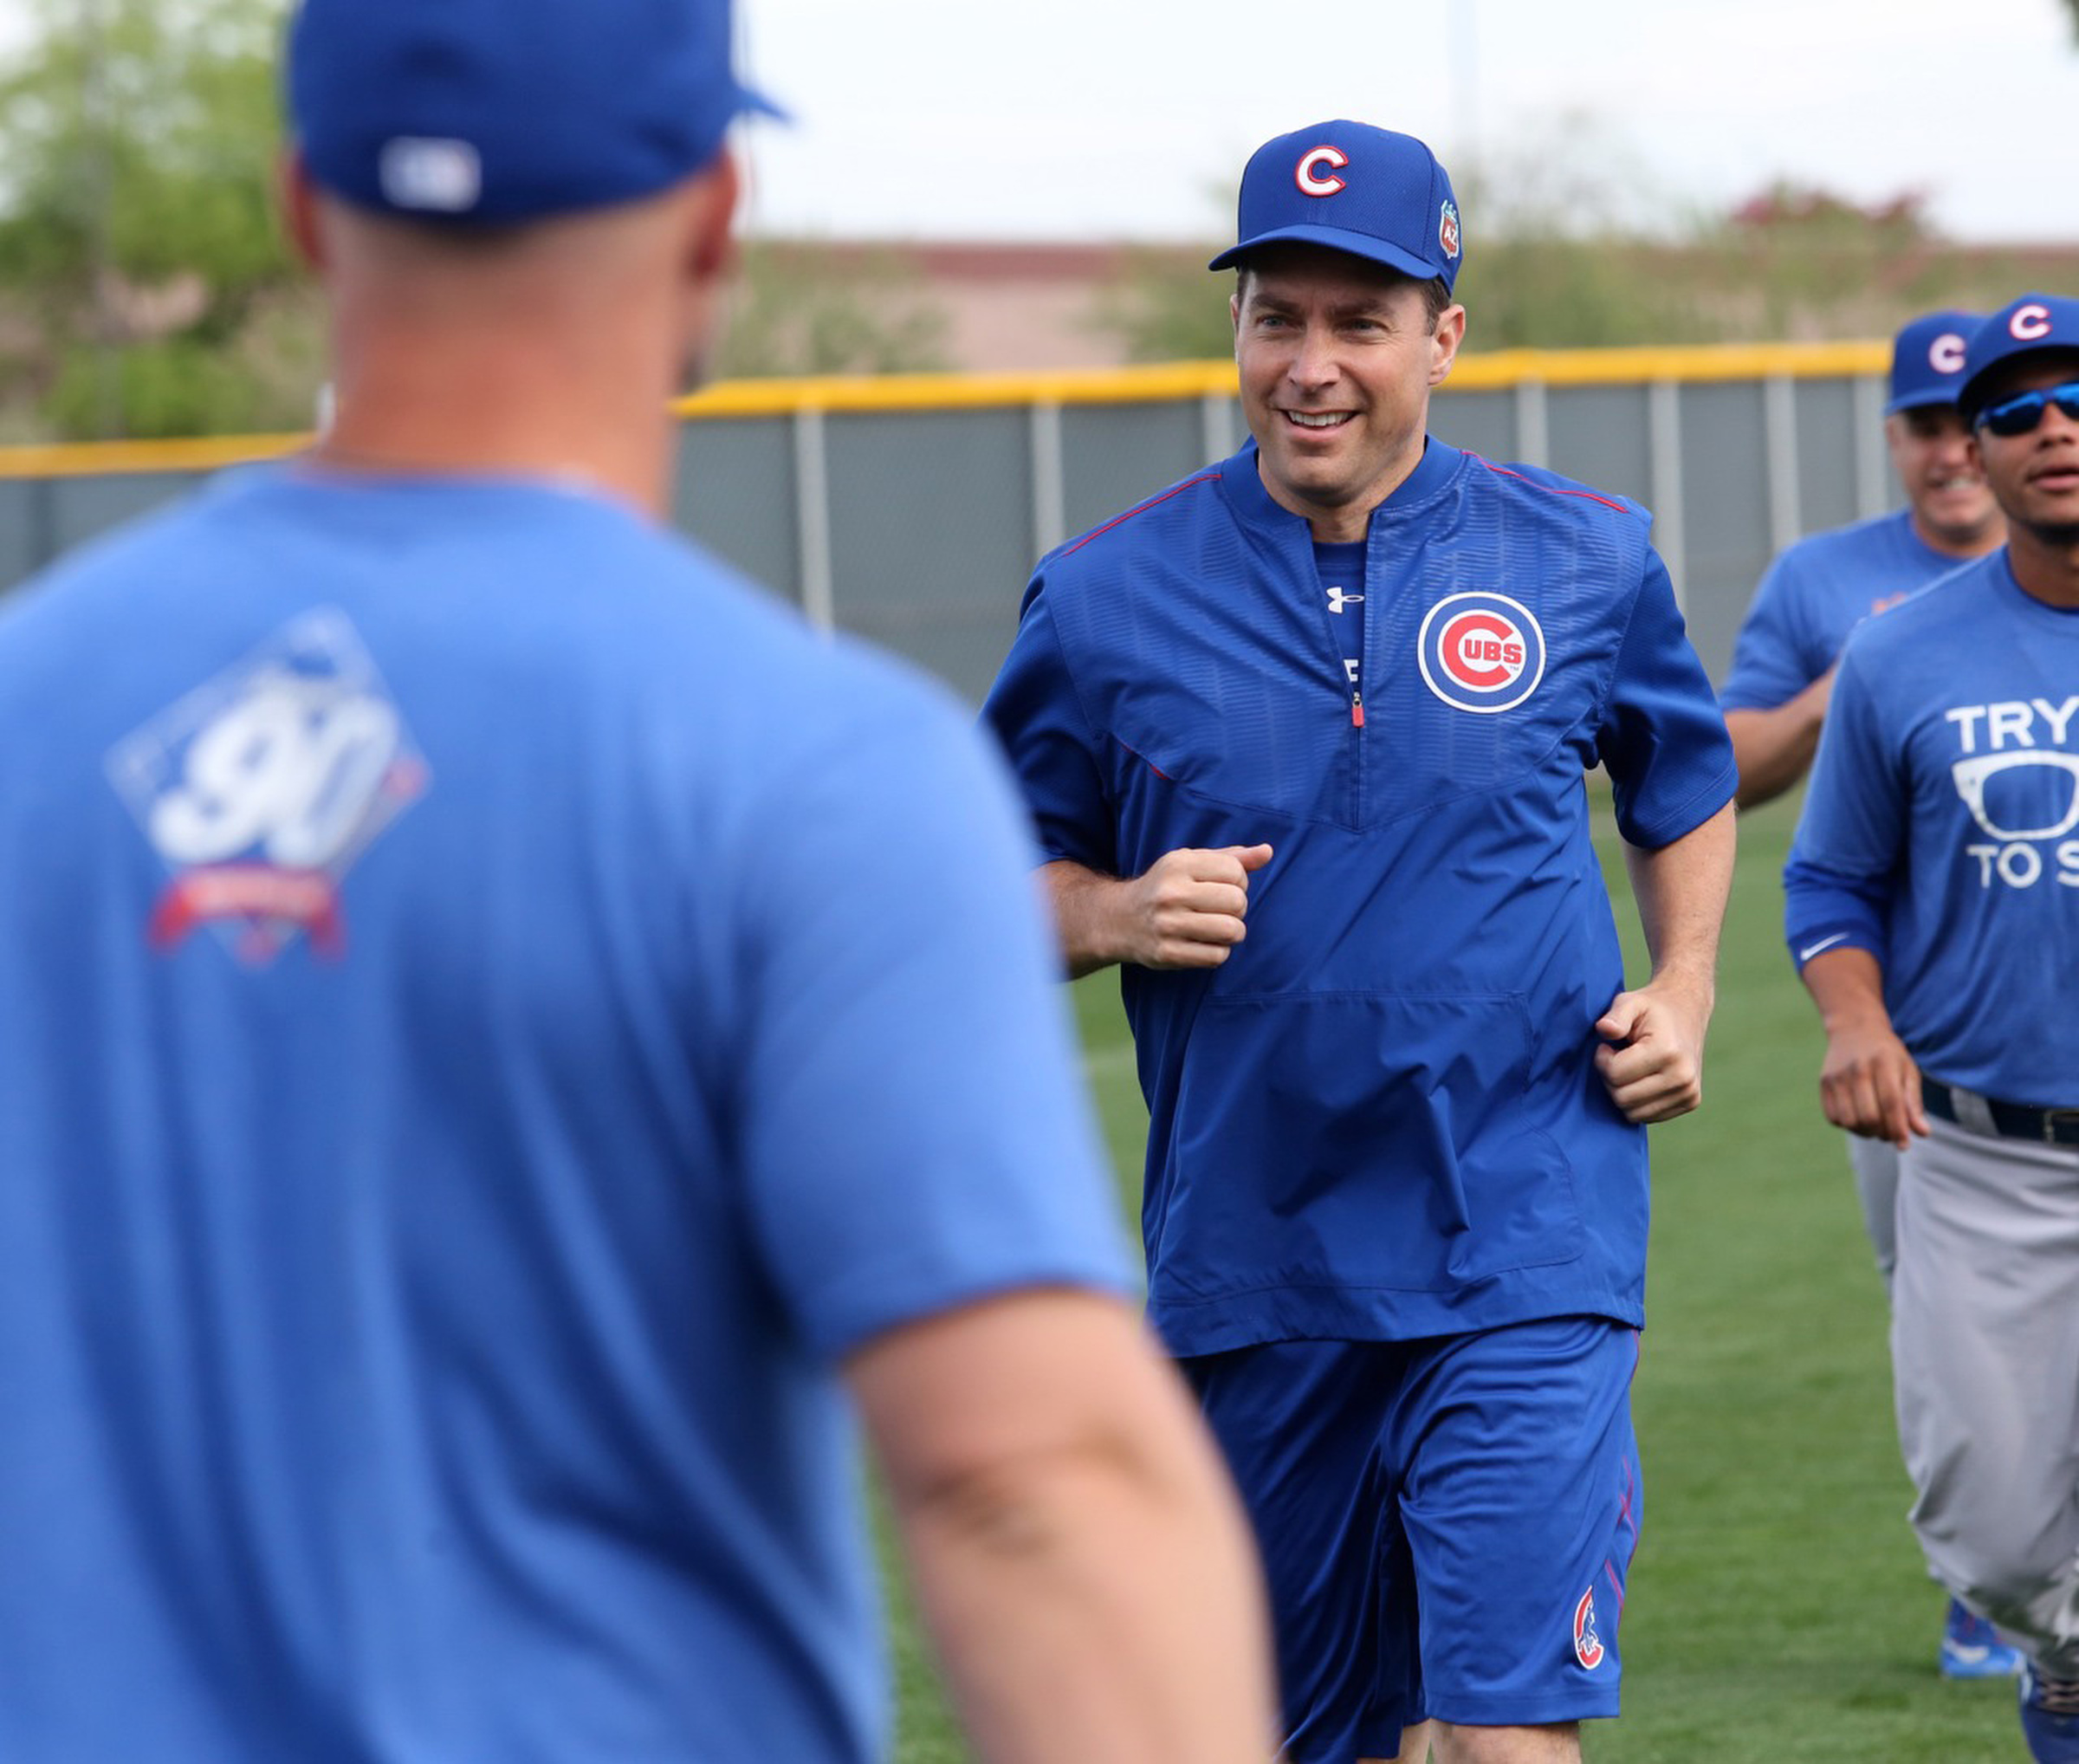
x: 711, y: 236
x: 1444, y: 342
x: 297, y: 199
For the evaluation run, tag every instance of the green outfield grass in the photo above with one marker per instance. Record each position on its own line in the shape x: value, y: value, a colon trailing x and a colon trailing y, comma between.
x: 1779, y: 1609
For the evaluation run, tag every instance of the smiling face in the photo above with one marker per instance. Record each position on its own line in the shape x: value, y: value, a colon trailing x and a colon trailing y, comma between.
x: 1337, y: 357
x: 1953, y: 509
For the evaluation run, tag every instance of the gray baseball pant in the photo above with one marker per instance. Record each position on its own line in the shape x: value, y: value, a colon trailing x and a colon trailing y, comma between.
x: 1985, y: 1362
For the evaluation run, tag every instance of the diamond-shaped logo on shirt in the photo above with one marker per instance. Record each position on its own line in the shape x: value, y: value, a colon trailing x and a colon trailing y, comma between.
x: 260, y: 788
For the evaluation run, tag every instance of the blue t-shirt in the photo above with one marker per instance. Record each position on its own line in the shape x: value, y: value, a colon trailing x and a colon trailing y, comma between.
x: 1815, y: 593
x: 1940, y: 831
x: 1380, y: 1117
x: 491, y: 1010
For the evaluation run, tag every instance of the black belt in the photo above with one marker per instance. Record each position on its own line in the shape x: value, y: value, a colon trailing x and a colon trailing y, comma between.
x: 2009, y: 1120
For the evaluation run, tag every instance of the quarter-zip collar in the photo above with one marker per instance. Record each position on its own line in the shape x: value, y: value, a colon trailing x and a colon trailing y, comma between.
x: 1241, y: 483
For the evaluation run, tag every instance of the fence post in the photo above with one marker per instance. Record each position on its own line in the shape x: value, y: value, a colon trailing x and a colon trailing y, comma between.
x: 1780, y: 442
x: 1533, y: 437
x: 1664, y: 444
x: 1050, y: 496
x: 812, y: 518
x: 1873, y: 480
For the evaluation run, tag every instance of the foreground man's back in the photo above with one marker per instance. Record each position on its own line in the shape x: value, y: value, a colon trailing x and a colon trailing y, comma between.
x: 387, y: 1271
x: 499, y: 1027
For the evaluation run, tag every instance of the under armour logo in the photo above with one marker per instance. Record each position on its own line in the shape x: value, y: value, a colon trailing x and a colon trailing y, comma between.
x: 1337, y: 599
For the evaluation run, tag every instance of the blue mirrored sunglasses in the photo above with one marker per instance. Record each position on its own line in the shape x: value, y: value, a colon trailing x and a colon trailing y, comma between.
x: 2020, y: 414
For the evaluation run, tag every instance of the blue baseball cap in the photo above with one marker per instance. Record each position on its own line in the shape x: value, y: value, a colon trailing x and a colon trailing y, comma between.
x: 1927, y: 359
x: 1353, y: 188
x: 499, y: 110
x: 2033, y: 325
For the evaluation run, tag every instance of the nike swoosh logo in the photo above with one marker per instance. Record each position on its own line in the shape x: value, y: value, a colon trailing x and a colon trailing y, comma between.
x: 1804, y: 956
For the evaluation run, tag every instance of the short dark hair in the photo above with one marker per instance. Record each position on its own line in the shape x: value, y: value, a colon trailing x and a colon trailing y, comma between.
x: 1436, y: 292
x: 1436, y: 299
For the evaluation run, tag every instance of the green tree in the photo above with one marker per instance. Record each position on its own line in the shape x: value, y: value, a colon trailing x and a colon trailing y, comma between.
x: 805, y: 308
x: 137, y: 138
x: 1559, y: 238
x: 1163, y: 305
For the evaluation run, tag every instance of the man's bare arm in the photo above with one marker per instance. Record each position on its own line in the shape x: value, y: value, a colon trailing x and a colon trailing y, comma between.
x: 1078, y: 1554
x: 1774, y: 748
x: 1653, y: 1058
x: 1186, y: 911
x: 1868, y: 1084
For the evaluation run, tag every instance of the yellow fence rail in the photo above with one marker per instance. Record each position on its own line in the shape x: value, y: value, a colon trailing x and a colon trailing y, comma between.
x: 1497, y: 371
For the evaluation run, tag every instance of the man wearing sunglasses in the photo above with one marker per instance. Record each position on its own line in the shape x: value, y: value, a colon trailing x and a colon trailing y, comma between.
x: 1775, y: 698
x: 1933, y: 909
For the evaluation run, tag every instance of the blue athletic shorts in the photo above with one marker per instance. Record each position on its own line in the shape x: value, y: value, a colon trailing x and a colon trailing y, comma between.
x: 1446, y: 1525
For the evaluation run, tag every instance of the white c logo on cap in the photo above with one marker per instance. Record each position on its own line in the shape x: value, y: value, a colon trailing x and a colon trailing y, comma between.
x: 1946, y: 353
x: 2029, y: 323
x: 1308, y: 175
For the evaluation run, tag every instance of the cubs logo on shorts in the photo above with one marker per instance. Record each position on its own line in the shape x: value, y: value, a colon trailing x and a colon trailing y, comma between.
x: 1481, y: 652
x: 1588, y: 1645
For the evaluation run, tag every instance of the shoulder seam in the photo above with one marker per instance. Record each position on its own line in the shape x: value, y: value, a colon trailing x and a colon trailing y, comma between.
x: 1585, y: 494
x: 1923, y: 602
x: 1208, y: 476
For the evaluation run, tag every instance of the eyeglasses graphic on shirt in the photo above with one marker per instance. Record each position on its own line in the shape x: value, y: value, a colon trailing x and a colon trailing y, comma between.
x: 2020, y: 414
x: 1971, y: 776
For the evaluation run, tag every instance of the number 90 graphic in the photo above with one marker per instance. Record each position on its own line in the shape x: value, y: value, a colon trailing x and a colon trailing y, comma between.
x: 290, y: 768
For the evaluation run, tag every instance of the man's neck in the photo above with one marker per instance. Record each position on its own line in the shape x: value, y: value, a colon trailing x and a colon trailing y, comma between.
x: 550, y: 351
x: 2046, y: 564
x: 1962, y: 549
x: 511, y: 386
x: 465, y: 421
x: 1344, y: 523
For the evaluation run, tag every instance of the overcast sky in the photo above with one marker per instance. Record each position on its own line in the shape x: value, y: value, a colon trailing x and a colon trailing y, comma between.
x: 1120, y: 119
x: 1131, y: 119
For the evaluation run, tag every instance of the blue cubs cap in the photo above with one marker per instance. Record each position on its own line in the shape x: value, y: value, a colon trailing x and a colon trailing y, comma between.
x: 2029, y: 326
x: 1927, y: 360
x: 1354, y: 188
x: 497, y: 110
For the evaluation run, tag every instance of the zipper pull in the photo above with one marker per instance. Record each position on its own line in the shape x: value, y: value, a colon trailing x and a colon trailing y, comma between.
x: 1357, y: 708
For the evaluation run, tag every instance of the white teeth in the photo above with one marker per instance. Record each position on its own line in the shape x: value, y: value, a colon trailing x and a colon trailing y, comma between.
x: 1318, y: 420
